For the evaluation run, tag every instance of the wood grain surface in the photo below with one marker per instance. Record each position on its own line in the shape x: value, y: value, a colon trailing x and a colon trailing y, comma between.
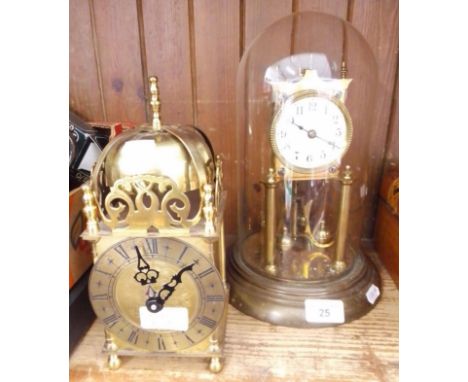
x: 120, y: 61
x: 216, y: 34
x: 377, y: 21
x: 85, y: 95
x: 259, y: 14
x: 333, y: 7
x: 363, y: 350
x: 167, y: 41
x: 393, y: 147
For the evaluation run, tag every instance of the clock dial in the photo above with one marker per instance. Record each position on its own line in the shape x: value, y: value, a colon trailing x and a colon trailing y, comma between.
x: 179, y: 309
x: 311, y: 132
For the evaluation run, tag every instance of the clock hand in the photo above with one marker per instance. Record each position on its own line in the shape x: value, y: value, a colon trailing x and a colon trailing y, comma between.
x: 145, y: 274
x: 155, y: 304
x: 331, y: 143
x: 310, y: 133
x: 300, y: 127
x: 150, y: 292
x: 313, y: 134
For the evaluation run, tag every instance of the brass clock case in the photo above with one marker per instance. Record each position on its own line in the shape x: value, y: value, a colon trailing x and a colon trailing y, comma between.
x: 154, y: 210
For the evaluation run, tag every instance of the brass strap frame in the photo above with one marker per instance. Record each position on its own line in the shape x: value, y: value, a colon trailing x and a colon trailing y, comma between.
x: 342, y: 233
x: 270, y: 221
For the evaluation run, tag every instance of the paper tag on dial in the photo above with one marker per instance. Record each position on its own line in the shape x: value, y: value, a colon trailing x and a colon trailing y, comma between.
x: 324, y: 311
x: 169, y: 318
x: 372, y: 294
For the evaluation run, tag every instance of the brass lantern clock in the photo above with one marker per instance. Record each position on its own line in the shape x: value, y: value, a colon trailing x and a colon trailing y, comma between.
x: 154, y: 212
x: 306, y: 88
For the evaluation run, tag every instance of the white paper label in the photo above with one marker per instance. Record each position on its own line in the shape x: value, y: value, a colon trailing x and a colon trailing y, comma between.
x: 169, y: 318
x: 373, y: 294
x: 324, y: 311
x: 91, y: 156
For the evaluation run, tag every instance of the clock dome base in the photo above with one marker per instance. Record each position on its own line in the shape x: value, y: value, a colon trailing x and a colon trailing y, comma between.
x: 282, y: 302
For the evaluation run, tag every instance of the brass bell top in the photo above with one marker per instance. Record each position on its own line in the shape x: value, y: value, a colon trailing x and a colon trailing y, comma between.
x: 149, y: 153
x: 180, y: 153
x: 178, y: 157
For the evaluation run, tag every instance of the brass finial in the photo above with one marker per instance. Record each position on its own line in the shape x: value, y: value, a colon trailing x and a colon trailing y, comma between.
x: 347, y: 177
x: 219, y: 168
x: 208, y: 210
x: 270, y: 179
x: 344, y: 69
x: 90, y: 210
x: 155, y: 104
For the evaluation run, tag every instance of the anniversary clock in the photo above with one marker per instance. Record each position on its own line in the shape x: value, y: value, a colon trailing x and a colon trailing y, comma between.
x: 154, y: 210
x: 306, y: 88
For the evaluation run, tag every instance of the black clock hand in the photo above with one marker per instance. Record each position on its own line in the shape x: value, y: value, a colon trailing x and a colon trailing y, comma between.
x: 331, y: 143
x: 310, y: 133
x: 300, y: 127
x: 145, y: 274
x: 313, y: 134
x: 155, y: 304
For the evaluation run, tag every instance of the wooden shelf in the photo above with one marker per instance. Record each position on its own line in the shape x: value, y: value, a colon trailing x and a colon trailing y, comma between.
x: 363, y: 350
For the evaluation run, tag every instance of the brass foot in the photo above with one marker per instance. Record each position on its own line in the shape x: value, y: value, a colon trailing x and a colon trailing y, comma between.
x: 339, y: 266
x: 215, y: 365
x: 271, y: 269
x: 113, y: 361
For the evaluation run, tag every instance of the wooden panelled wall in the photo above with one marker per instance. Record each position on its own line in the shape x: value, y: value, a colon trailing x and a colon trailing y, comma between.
x: 194, y: 47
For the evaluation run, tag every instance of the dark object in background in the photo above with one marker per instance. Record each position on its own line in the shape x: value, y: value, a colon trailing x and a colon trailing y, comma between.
x: 85, y: 145
x: 387, y: 222
x: 81, y: 316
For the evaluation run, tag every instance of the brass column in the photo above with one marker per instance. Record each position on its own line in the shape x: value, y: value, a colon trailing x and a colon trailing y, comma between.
x: 270, y: 218
x: 346, y: 181
x: 221, y: 252
x: 294, y: 208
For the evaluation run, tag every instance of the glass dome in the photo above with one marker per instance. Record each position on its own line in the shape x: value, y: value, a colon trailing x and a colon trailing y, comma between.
x: 305, y: 94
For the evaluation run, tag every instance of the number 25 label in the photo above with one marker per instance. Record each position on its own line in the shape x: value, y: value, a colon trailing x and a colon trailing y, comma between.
x: 324, y: 311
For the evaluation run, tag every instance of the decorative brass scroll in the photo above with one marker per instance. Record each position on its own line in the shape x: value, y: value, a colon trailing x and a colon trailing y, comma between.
x: 144, y: 201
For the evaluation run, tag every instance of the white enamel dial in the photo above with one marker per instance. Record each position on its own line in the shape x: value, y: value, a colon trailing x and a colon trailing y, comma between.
x: 311, y: 132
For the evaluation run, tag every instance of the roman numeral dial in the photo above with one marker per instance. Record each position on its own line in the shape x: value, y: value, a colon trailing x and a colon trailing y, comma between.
x: 193, y: 295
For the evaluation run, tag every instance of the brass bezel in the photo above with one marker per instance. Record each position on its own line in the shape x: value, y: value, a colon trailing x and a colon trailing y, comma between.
x: 291, y: 100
